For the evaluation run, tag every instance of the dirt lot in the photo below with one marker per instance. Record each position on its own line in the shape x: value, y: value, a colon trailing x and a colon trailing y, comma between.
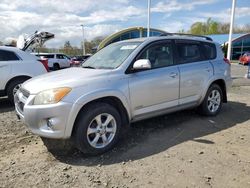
x: 177, y: 150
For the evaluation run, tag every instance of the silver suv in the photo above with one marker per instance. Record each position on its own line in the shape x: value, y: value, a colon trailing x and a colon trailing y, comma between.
x: 125, y: 82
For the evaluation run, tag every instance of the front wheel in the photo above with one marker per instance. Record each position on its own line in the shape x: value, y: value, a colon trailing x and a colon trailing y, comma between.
x: 97, y: 129
x: 212, y: 102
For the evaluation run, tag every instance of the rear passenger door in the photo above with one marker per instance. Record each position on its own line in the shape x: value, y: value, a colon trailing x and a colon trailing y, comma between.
x: 195, y: 70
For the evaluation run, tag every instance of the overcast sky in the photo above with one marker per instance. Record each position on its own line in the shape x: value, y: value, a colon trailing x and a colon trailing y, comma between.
x: 103, y: 17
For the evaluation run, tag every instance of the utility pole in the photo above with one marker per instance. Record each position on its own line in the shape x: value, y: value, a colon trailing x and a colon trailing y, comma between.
x: 231, y: 31
x: 148, y: 27
x: 83, y: 44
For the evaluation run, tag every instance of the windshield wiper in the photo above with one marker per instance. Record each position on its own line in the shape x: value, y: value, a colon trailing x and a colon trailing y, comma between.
x: 88, y: 67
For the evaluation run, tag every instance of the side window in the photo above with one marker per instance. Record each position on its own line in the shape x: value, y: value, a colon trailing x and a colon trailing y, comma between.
x: 59, y: 56
x: 160, y: 55
x: 65, y: 57
x: 210, y: 51
x: 48, y: 56
x: 8, y: 56
x: 188, y: 52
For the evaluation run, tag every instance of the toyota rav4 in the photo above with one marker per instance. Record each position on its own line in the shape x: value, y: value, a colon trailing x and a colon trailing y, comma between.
x: 125, y: 82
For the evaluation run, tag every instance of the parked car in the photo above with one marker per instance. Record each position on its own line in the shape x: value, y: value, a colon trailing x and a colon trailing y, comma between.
x: 17, y: 66
x: 78, y: 60
x: 245, y: 58
x: 56, y: 61
x: 125, y: 82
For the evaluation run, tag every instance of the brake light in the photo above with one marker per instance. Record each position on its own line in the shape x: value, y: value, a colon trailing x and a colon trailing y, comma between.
x: 45, y: 64
x: 227, y: 61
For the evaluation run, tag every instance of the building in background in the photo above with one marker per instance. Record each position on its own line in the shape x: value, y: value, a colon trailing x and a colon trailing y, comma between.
x: 129, y: 33
x: 240, y: 43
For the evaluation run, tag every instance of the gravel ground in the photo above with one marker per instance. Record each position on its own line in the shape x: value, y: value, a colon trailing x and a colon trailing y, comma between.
x: 177, y: 150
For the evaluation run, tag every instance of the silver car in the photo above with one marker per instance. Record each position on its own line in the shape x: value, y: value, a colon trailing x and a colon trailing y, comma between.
x: 125, y: 82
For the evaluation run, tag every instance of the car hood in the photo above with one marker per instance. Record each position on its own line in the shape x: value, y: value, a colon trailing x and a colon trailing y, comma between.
x: 71, y: 77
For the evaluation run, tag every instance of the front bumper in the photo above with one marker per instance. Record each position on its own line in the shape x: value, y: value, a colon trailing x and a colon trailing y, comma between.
x: 48, y: 121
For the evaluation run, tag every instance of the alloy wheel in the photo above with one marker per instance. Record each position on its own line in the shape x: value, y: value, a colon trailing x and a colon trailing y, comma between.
x: 214, y: 101
x: 101, y: 130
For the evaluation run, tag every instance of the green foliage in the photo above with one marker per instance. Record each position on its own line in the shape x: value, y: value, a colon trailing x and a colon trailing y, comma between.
x: 70, y: 50
x: 213, y: 27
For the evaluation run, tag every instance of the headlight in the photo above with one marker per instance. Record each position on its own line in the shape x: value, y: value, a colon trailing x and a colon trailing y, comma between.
x: 51, y: 96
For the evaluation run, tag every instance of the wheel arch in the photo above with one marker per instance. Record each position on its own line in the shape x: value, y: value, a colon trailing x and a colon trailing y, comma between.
x: 16, y: 78
x: 113, y: 100
x: 220, y: 82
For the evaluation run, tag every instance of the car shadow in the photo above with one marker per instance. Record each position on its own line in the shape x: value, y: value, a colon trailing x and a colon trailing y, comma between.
x: 152, y: 136
x: 5, y: 105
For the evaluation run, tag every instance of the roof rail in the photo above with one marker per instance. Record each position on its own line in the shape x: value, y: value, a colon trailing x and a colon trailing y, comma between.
x: 188, y: 35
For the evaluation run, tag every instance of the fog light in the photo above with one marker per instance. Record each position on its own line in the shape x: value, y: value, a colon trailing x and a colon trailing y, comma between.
x: 50, y: 123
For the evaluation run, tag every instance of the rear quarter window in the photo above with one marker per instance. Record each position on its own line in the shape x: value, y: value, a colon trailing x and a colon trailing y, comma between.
x: 210, y: 51
x: 47, y: 56
x: 8, y: 56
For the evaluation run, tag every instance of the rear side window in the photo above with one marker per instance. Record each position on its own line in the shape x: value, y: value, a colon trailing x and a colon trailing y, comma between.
x: 210, y: 51
x: 8, y: 56
x: 59, y: 56
x: 188, y: 52
x: 49, y: 56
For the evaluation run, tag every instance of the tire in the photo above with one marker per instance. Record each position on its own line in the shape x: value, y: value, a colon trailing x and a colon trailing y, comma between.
x: 56, y: 66
x: 212, y: 102
x: 12, y: 88
x: 88, y: 133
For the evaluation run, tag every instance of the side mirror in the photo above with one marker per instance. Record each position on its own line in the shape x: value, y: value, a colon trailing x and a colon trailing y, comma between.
x: 142, y: 64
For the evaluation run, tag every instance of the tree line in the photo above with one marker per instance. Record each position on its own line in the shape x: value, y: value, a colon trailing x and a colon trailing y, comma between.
x: 213, y: 27
x: 198, y: 28
x: 67, y: 48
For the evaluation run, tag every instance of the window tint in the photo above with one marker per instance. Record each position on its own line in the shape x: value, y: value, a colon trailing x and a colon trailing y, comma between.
x: 47, y: 56
x: 8, y: 56
x: 210, y: 51
x: 188, y: 52
x: 59, y: 56
x: 160, y: 55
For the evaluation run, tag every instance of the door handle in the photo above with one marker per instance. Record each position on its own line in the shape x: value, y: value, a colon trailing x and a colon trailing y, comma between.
x: 173, y: 74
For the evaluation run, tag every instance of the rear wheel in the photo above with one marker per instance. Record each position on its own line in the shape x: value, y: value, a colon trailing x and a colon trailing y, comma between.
x: 212, y: 102
x: 13, y: 87
x: 56, y: 66
x: 97, y: 129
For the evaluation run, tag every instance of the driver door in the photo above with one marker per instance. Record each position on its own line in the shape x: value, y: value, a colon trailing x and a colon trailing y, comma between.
x: 157, y: 88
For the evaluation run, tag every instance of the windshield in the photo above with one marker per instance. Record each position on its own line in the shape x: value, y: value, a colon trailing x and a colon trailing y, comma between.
x: 111, y: 56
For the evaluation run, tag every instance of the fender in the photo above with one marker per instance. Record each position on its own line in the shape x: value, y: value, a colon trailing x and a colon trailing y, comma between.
x: 83, y: 100
x: 208, y: 83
